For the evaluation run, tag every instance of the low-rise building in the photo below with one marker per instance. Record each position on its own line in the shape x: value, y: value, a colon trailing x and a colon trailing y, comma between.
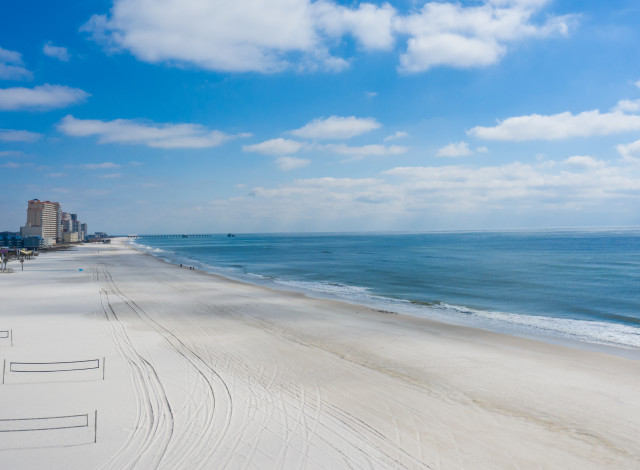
x: 70, y: 237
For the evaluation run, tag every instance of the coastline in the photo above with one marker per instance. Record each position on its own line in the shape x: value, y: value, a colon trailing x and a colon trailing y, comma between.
x: 560, y: 331
x: 242, y: 375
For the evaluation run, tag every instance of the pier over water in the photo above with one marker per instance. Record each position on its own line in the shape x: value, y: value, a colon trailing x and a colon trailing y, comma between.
x: 183, y: 235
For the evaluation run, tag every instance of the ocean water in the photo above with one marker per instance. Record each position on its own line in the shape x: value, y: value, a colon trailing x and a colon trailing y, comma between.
x: 581, y: 287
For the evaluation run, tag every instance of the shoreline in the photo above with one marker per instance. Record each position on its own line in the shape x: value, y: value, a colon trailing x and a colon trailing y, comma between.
x: 507, y: 329
x: 208, y: 372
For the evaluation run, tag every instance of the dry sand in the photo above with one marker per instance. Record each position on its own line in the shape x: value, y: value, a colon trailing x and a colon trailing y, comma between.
x: 135, y: 363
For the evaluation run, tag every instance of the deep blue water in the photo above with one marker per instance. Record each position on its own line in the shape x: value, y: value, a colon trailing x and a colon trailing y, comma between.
x: 565, y: 285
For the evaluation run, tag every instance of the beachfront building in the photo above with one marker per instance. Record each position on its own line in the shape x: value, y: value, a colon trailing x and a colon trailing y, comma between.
x: 43, y: 220
x: 71, y: 225
x: 65, y: 220
x: 15, y: 240
x: 70, y: 237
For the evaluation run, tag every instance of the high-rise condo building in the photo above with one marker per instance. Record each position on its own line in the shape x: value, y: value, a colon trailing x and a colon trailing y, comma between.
x: 43, y: 219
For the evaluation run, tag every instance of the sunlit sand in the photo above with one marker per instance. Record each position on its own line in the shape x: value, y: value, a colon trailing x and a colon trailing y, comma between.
x: 113, y: 359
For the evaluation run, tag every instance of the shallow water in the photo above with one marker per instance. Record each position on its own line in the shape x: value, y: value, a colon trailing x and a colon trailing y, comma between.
x: 573, y: 285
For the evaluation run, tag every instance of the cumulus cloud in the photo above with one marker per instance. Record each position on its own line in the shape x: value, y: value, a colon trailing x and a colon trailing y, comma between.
x: 12, y: 135
x: 330, y: 182
x: 99, y: 166
x: 57, y: 52
x: 554, y: 191
x: 396, y: 135
x: 239, y: 36
x: 10, y: 153
x: 628, y: 106
x: 12, y: 67
x: 590, y: 181
x: 457, y: 149
x: 562, y: 125
x: 452, y: 34
x: 40, y: 98
x: 629, y: 151
x: 292, y: 163
x: 258, y: 36
x: 336, y: 127
x: 124, y: 131
x: 369, y: 24
x: 277, y: 146
x: 584, y: 161
x: 236, y: 36
x: 307, y: 186
x: 366, y: 150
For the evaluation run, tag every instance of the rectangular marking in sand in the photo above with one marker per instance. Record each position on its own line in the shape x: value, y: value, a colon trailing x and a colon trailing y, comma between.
x: 57, y: 371
x: 49, y: 431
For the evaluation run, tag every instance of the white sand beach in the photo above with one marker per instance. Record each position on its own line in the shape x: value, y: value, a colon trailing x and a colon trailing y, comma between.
x: 133, y: 363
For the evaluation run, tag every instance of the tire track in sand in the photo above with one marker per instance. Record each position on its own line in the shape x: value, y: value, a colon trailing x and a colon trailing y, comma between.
x: 153, y: 425
x: 198, y: 452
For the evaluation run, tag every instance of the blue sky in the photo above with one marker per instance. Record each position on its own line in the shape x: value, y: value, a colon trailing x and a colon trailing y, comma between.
x: 299, y: 115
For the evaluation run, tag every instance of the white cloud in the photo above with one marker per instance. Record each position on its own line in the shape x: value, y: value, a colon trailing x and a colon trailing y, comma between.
x: 637, y: 84
x: 12, y: 67
x: 258, y: 36
x: 369, y: 24
x: 124, y: 131
x: 336, y: 127
x: 56, y: 175
x: 12, y: 135
x: 366, y: 150
x: 449, y: 49
x: 99, y: 166
x: 42, y: 97
x: 629, y: 151
x: 592, y: 182
x: 457, y: 149
x: 277, y: 146
x: 11, y: 165
x: 628, y: 106
x: 452, y: 34
x: 111, y: 175
x: 583, y: 161
x: 292, y: 163
x: 10, y: 57
x: 371, y: 94
x: 559, y: 126
x: 240, y: 36
x: 57, y: 52
x: 576, y: 189
x: 330, y: 182
x: 10, y: 153
x: 482, y: 150
x: 396, y: 135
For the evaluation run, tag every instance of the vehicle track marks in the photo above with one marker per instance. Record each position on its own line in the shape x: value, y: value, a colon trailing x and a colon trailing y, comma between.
x: 205, y: 441
x: 153, y: 423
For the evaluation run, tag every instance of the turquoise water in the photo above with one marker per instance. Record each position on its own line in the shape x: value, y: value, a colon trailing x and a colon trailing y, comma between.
x: 563, y: 285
